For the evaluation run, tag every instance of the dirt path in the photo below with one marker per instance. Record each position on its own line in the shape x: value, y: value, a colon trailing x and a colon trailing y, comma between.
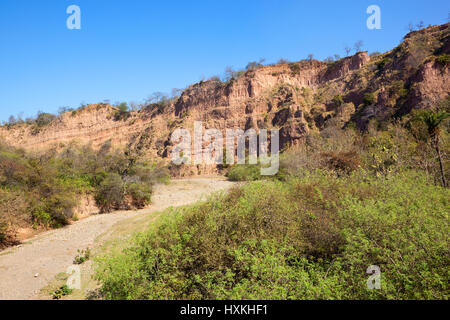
x: 27, y: 268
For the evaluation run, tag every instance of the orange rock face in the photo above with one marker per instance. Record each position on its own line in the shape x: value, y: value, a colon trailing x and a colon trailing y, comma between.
x: 295, y: 98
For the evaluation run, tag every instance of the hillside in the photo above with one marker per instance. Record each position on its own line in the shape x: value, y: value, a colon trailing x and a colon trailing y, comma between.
x: 361, y: 186
x: 297, y: 98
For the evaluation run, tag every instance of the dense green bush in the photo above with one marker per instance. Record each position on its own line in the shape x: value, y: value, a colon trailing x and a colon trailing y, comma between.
x: 44, y: 119
x: 42, y: 190
x: 341, y: 202
x: 443, y: 60
x: 140, y: 194
x: 244, y: 173
x: 31, y: 187
x: 111, y: 192
x: 308, y: 238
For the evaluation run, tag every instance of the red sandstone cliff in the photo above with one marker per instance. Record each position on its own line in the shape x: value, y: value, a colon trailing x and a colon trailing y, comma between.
x: 294, y: 98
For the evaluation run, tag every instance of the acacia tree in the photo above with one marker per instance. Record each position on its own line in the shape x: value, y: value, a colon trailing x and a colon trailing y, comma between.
x: 176, y: 93
x: 283, y: 61
x: 230, y: 73
x: 358, y: 45
x: 433, y: 120
x: 420, y: 25
x: 253, y: 65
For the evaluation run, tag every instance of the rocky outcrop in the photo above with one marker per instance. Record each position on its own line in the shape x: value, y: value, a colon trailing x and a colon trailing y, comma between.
x: 344, y: 66
x: 295, y: 98
x: 431, y: 85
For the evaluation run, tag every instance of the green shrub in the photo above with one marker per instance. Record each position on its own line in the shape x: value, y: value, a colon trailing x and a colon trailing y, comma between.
x: 111, y: 193
x: 140, y: 193
x: 122, y: 112
x: 82, y: 256
x: 398, y: 89
x: 62, y: 292
x: 82, y: 183
x: 43, y: 189
x: 244, y: 172
x: 369, y: 99
x: 150, y: 174
x: 60, y: 206
x: 382, y: 64
x: 51, y: 202
x: 40, y: 217
x: 307, y: 238
x: 44, y: 119
x: 443, y: 60
x: 123, y: 107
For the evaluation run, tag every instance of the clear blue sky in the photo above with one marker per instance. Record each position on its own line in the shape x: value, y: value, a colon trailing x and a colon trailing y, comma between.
x: 126, y: 50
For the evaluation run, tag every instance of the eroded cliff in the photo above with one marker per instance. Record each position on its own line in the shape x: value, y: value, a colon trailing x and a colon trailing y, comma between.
x: 295, y: 98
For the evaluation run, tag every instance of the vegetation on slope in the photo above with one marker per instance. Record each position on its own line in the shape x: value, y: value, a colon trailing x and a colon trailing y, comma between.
x: 42, y: 190
x: 308, y: 238
x: 344, y: 202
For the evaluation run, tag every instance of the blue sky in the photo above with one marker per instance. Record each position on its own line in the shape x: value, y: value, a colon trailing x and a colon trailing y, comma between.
x: 126, y: 50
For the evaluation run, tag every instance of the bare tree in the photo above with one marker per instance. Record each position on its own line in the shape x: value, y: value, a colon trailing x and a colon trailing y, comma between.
x: 310, y: 57
x: 358, y: 45
x: 215, y: 78
x: 20, y: 117
x: 410, y: 27
x: 420, y: 25
x: 229, y: 73
x: 62, y: 110
x: 252, y: 65
x: 176, y: 92
x: 11, y: 120
x: 337, y: 57
x: 347, y: 50
x: 156, y: 97
x: 134, y: 106
x: 283, y: 61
